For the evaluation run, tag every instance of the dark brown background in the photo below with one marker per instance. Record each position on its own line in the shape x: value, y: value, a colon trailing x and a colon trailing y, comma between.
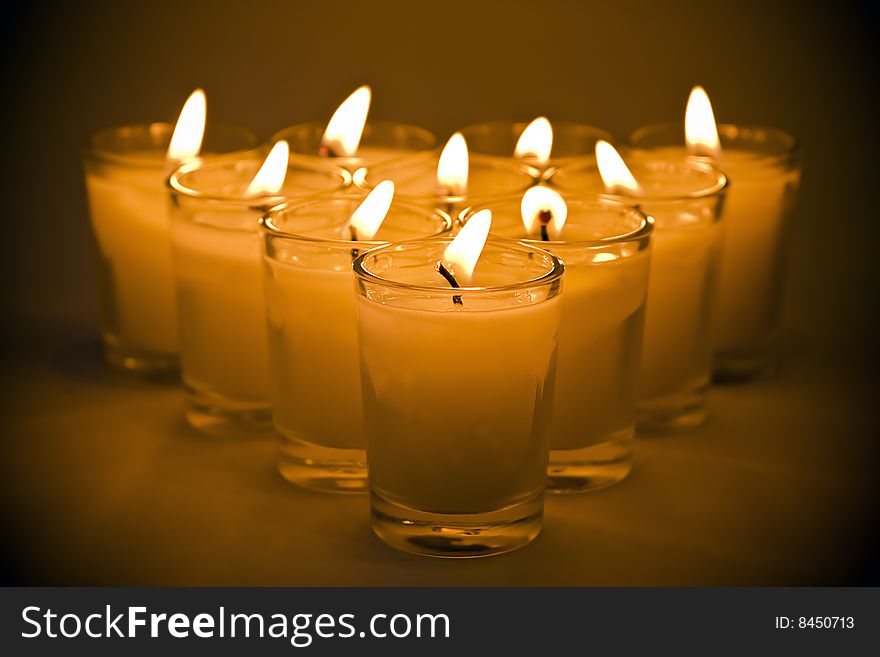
x: 69, y: 69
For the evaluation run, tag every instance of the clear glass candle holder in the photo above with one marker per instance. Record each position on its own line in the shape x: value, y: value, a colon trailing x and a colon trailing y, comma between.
x: 381, y: 141
x: 763, y: 165
x: 571, y: 141
x: 606, y: 250
x: 457, y: 388
x: 686, y: 200
x: 218, y: 272
x: 313, y: 347
x: 125, y: 173
x: 415, y: 179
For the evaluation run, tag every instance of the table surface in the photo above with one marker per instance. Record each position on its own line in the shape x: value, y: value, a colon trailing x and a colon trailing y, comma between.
x: 104, y: 483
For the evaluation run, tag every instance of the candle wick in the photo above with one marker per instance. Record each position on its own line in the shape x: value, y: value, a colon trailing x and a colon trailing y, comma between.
x: 544, y: 216
x: 354, y: 238
x: 324, y: 150
x: 448, y: 193
x: 445, y: 273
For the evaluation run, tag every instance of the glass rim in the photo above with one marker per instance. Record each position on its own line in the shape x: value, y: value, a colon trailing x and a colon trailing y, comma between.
x: 481, y: 158
x: 645, y: 228
x: 374, y: 175
x: 555, y: 272
x: 270, y: 229
x: 720, y: 186
x: 93, y: 151
x: 558, y: 126
x: 175, y: 185
x: 515, y: 122
x: 409, y: 127
x: 790, y: 150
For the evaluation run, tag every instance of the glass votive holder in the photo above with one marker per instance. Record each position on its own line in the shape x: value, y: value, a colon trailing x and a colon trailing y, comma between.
x: 686, y: 200
x: 457, y: 388
x: 571, y: 141
x: 313, y: 346
x: 415, y: 179
x: 763, y: 165
x: 218, y: 272
x: 606, y: 250
x: 380, y: 141
x: 125, y: 173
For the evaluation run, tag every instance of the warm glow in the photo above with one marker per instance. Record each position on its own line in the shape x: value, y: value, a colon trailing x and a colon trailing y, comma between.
x: 452, y: 169
x: 370, y: 214
x: 615, y: 174
x: 461, y: 256
x: 186, y: 140
x: 700, y: 131
x: 604, y: 257
x: 543, y: 205
x: 536, y: 141
x: 271, y: 175
x: 344, y: 130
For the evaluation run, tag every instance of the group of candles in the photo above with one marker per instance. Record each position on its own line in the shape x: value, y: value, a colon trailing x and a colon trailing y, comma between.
x: 479, y: 324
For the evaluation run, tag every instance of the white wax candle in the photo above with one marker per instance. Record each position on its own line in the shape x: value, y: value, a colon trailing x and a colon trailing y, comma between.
x: 760, y: 195
x: 215, y: 209
x: 750, y: 283
x: 458, y: 384
x: 313, y: 338
x: 456, y: 402
x: 685, y: 201
x: 127, y: 208
x: 222, y: 308
x: 599, y: 339
x: 600, y: 336
x: 312, y: 319
x: 126, y: 169
x: 676, y: 352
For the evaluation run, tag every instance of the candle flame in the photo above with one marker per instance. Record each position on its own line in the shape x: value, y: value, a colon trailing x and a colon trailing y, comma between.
x: 615, y: 174
x: 186, y: 140
x: 461, y: 256
x: 700, y: 131
x: 540, y: 200
x: 346, y: 126
x: 452, y: 168
x: 536, y: 141
x: 370, y: 214
x: 270, y: 177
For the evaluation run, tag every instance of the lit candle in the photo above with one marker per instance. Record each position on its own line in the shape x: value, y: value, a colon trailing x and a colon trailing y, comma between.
x: 535, y: 143
x: 685, y: 201
x: 353, y: 143
x: 215, y: 208
x: 605, y: 247
x: 457, y: 343
x: 343, y: 134
x: 309, y: 247
x: 534, y: 146
x: 451, y: 179
x: 452, y: 168
x: 540, y: 146
x: 125, y: 172
x: 763, y: 167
